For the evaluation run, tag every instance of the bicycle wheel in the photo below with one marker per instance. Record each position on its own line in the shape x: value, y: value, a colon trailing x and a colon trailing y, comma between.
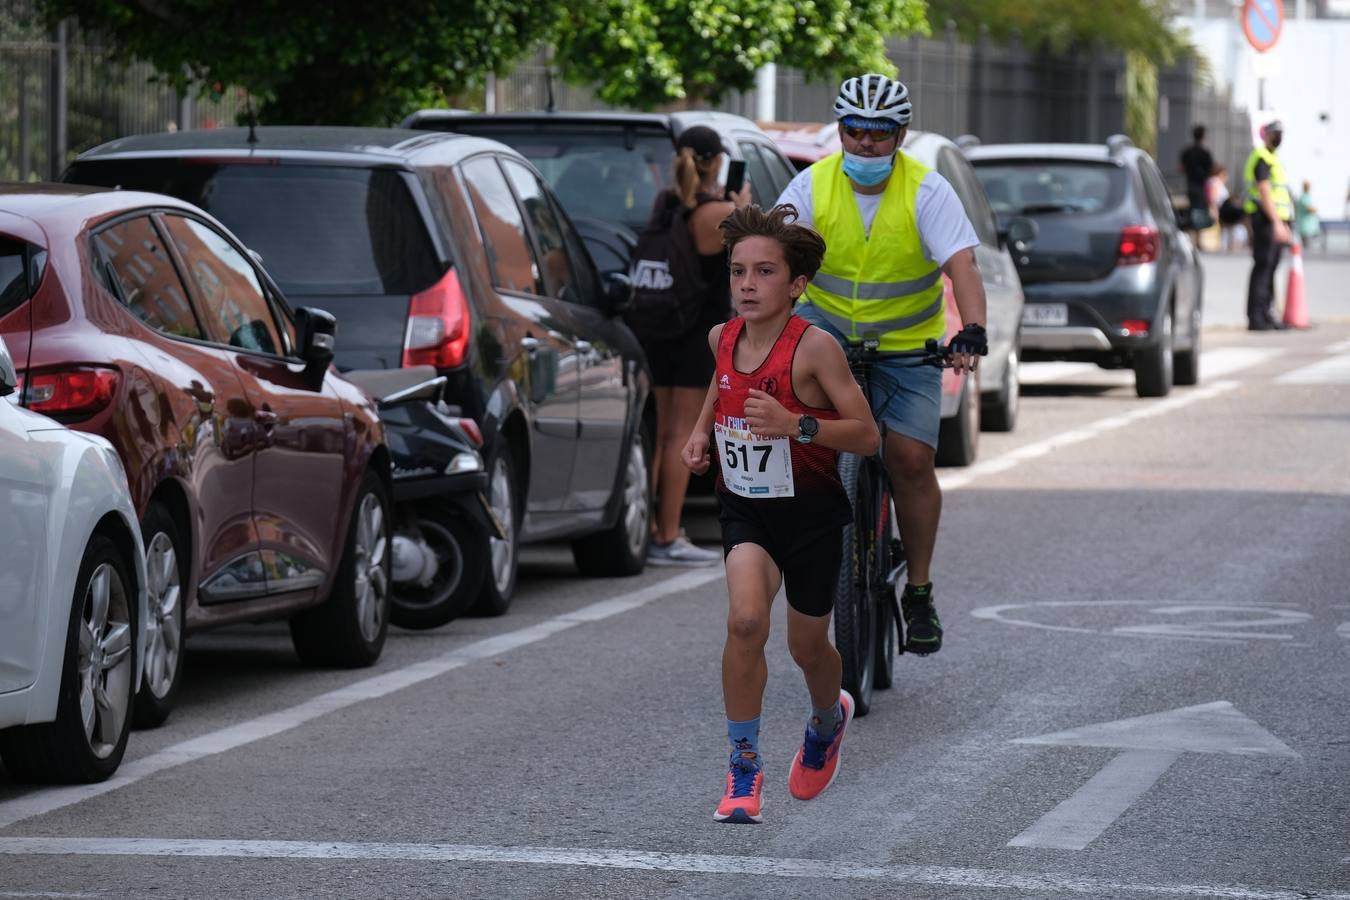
x: 855, y: 616
x: 888, y: 642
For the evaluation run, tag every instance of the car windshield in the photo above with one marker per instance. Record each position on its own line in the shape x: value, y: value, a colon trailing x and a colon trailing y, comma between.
x: 611, y: 173
x: 1051, y: 186
x: 321, y: 230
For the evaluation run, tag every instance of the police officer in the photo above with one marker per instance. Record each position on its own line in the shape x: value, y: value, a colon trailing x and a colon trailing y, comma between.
x: 1269, y: 208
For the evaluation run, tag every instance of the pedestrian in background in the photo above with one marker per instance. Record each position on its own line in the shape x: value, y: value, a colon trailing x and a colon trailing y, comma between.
x: 1227, y: 214
x: 682, y: 365
x: 1306, y: 221
x: 1269, y: 209
x: 1197, y: 165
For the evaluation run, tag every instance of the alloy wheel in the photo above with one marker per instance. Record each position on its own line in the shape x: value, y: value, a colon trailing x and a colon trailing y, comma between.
x: 105, y: 661
x: 637, y: 504
x: 163, y: 635
x: 372, y: 583
x: 503, y: 507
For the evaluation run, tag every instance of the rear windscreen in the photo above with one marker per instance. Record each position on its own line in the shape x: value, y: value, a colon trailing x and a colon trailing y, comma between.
x: 607, y: 173
x: 13, y: 277
x: 1032, y: 186
x: 321, y: 230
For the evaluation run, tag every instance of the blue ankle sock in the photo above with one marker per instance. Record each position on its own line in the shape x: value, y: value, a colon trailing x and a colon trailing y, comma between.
x: 744, y: 741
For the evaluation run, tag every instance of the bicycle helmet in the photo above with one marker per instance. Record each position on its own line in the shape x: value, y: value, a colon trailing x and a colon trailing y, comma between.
x: 874, y: 96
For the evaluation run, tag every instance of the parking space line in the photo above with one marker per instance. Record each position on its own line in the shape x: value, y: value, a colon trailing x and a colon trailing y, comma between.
x: 237, y: 735
x: 1036, y: 883
x: 1014, y: 458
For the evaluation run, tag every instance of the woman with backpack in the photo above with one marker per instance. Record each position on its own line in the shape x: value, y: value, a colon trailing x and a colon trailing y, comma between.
x: 682, y: 364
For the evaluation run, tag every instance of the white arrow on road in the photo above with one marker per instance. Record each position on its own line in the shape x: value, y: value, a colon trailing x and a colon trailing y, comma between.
x: 1151, y: 744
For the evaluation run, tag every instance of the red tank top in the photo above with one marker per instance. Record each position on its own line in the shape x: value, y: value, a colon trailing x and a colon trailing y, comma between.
x: 814, y: 468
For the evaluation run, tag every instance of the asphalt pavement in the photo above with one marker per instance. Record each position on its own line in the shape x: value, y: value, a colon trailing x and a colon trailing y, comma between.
x: 1143, y: 693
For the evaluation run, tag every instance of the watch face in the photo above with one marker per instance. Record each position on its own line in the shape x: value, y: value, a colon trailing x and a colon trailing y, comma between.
x: 808, y: 425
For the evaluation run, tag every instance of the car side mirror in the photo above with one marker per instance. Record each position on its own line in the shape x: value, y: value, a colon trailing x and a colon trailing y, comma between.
x: 618, y: 292
x: 9, y: 376
x: 315, y: 331
x: 1019, y: 234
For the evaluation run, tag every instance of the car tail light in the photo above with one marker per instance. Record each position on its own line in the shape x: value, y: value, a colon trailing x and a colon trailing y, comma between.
x: 1138, y: 244
x: 471, y: 429
x: 1135, y: 327
x: 81, y: 391
x: 438, y: 325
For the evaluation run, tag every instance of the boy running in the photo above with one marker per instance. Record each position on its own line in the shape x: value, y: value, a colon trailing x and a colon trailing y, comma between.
x: 782, y: 403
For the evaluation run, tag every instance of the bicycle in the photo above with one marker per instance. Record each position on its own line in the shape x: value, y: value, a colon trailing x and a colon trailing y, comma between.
x: 866, y: 604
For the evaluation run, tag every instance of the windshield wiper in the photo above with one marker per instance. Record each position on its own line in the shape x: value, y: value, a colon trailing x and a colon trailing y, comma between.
x: 1049, y: 208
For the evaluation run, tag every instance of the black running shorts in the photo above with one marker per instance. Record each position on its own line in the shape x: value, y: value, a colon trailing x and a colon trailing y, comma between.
x: 806, y: 548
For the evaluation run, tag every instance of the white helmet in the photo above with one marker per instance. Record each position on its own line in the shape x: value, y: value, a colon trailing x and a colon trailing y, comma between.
x: 874, y: 96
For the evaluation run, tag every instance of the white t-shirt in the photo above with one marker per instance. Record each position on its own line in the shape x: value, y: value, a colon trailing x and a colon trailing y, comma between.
x: 944, y: 227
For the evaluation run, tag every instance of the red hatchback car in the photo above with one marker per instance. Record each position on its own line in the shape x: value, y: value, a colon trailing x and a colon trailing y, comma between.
x: 261, y: 478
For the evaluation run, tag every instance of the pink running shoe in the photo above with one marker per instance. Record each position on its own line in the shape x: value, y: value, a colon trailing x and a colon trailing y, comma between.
x: 741, y: 804
x: 817, y: 762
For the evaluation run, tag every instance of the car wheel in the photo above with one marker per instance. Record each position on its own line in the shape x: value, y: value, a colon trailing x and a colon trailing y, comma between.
x: 461, y: 553
x: 959, y: 436
x: 1153, y: 366
x: 93, y: 714
x: 622, y: 548
x: 1000, y: 414
x: 349, y: 629
x: 166, y: 572
x: 1186, y: 363
x: 500, y: 586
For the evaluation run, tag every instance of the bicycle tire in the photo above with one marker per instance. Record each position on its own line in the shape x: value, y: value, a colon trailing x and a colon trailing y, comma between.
x: 855, y: 617
x: 889, y: 643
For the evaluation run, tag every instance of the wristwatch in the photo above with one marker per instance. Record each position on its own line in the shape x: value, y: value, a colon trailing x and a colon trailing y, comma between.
x: 807, y: 427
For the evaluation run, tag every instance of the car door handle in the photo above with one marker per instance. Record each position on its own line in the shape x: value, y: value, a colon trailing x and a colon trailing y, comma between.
x: 266, y: 418
x: 529, y: 345
x: 584, y: 347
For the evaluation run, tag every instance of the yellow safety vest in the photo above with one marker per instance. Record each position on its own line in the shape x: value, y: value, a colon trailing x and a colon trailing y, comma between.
x: 879, y: 282
x: 1279, y: 184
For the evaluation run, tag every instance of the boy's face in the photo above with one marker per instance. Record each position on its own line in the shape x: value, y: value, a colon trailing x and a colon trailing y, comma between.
x: 762, y: 286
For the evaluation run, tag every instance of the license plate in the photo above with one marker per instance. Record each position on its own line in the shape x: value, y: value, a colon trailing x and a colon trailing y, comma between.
x: 1045, y: 314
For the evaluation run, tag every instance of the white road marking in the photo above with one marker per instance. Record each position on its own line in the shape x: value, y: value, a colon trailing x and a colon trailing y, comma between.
x: 1213, y: 364
x: 233, y: 736
x: 1341, y: 347
x: 1332, y: 370
x: 46, y: 894
x: 1036, y: 883
x: 1036, y: 449
x: 1151, y: 744
x: 1090, y: 810
x: 1227, y: 360
x: 1212, y: 632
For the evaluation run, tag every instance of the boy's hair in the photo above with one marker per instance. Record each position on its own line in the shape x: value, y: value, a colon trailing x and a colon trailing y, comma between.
x: 802, y: 247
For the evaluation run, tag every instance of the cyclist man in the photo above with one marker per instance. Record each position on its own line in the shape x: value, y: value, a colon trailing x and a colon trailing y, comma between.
x: 892, y: 228
x: 783, y: 402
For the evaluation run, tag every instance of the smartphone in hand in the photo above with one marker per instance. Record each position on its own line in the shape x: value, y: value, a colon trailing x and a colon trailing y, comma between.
x: 735, y: 177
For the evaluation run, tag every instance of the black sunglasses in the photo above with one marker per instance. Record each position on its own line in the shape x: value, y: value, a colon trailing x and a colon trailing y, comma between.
x: 878, y: 135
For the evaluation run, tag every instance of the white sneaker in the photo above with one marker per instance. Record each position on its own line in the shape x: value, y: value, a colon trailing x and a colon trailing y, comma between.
x: 680, y: 552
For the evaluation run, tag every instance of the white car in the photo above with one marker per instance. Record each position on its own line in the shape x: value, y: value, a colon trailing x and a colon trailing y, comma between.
x: 72, y: 598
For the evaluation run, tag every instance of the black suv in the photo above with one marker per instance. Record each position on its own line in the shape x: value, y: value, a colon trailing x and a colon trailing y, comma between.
x: 1111, y: 279
x: 451, y: 251
x: 607, y: 167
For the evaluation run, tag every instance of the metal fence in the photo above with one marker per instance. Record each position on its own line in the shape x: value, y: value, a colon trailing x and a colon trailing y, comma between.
x: 62, y: 93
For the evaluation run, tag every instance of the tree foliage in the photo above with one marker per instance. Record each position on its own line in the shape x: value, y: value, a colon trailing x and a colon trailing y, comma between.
x: 338, y: 62
x: 646, y: 53
x: 1141, y: 26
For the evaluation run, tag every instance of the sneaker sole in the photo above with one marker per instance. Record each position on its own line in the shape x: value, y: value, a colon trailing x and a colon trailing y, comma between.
x: 739, y: 817
x: 689, y: 563
x: 838, y: 760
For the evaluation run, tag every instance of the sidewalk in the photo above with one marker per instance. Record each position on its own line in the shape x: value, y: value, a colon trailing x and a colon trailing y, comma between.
x: 1326, y: 283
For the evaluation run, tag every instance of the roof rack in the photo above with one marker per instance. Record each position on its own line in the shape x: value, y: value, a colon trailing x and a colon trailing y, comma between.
x: 1118, y: 142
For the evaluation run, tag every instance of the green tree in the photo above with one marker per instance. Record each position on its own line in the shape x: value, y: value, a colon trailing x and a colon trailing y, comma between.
x: 337, y: 62
x: 1130, y: 25
x: 647, y: 53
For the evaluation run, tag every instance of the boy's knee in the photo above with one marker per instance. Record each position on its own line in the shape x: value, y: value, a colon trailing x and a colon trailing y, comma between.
x: 809, y: 648
x: 748, y: 628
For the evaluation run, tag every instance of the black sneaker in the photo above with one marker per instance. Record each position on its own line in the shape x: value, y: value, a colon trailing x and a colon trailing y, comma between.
x: 923, y: 631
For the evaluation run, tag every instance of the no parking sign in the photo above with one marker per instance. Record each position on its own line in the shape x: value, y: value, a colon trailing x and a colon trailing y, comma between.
x: 1262, y: 21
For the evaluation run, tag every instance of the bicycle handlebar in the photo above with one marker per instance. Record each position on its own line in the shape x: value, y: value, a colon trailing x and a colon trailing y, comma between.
x: 934, y: 353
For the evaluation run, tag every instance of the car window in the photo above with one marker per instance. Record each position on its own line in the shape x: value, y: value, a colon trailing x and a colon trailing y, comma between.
x: 1156, y: 192
x: 559, y: 279
x: 762, y: 185
x: 1051, y: 186
x: 510, y: 258
x: 234, y: 307
x: 608, y: 171
x: 139, y: 271
x: 953, y: 167
x: 322, y: 230
x: 780, y: 169
x: 13, y: 278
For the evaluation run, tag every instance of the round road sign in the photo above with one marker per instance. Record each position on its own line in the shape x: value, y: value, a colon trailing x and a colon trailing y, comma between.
x: 1262, y: 21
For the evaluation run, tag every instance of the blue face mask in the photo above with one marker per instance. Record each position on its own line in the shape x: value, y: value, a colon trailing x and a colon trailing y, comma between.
x: 868, y: 170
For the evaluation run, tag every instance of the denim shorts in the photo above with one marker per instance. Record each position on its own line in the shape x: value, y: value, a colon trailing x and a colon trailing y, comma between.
x: 905, y: 396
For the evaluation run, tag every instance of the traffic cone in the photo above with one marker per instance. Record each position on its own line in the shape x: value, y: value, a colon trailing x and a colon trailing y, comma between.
x: 1295, y: 310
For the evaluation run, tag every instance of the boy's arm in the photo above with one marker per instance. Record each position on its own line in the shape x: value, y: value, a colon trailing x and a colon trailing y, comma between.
x: 855, y: 431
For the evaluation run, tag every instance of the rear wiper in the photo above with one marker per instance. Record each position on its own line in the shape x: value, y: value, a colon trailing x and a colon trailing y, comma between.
x: 1049, y: 208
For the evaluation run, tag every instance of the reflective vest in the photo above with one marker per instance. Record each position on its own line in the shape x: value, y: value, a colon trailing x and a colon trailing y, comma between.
x: 878, y: 282
x: 1279, y: 184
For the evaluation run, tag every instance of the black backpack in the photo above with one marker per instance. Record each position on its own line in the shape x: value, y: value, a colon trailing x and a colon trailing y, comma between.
x: 668, y: 288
